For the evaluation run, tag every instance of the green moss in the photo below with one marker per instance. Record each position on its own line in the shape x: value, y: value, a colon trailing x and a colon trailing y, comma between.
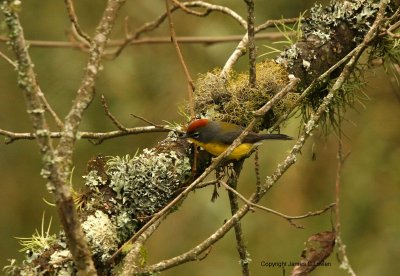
x: 235, y: 101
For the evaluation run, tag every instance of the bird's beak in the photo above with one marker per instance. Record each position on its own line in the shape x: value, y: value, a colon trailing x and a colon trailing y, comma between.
x: 184, y: 136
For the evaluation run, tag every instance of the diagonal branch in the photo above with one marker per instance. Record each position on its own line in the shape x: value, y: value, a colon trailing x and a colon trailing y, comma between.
x: 74, y: 20
x: 85, y: 93
x: 215, y: 163
x: 240, y: 242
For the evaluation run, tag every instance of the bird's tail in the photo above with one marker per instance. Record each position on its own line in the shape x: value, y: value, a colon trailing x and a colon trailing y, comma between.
x: 275, y: 136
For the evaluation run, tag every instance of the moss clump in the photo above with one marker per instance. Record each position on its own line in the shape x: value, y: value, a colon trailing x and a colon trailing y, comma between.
x: 234, y: 100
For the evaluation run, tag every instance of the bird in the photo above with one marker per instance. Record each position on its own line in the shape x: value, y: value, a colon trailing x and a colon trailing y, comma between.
x: 216, y: 136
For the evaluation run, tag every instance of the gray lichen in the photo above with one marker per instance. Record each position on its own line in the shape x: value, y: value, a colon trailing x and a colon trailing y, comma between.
x: 120, y: 195
x: 101, y: 235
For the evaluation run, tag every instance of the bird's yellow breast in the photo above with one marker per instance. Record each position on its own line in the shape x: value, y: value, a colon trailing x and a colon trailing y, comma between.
x: 218, y: 148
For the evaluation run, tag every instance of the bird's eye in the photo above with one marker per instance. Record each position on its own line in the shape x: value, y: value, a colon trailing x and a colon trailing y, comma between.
x: 196, y: 135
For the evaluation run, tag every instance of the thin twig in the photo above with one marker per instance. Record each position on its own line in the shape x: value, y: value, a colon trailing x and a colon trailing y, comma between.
x: 344, y: 260
x: 182, y: 60
x: 74, y: 20
x: 145, y: 120
x: 48, y: 107
x: 207, y: 183
x: 240, y: 243
x: 207, y: 40
x: 6, y: 58
x: 150, y: 26
x: 272, y: 211
x: 112, y: 117
x: 393, y: 28
x: 189, y: 11
x: 257, y: 170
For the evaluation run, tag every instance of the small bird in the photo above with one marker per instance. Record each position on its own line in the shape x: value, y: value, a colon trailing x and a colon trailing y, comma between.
x: 215, y: 137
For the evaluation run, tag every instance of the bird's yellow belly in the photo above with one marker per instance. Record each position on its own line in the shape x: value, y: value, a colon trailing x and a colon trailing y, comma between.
x: 218, y: 148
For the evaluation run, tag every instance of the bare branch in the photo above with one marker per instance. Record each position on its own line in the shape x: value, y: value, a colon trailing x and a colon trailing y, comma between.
x: 182, y: 60
x: 6, y: 58
x: 48, y: 107
x: 344, y: 260
x: 99, y: 136
x: 74, y: 20
x: 240, y: 243
x: 272, y: 211
x: 145, y: 120
x: 150, y: 26
x: 251, y: 43
x: 207, y: 40
x: 85, y: 93
x: 109, y: 115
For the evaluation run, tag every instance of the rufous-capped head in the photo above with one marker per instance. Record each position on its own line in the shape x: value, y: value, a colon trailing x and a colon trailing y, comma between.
x: 194, y: 125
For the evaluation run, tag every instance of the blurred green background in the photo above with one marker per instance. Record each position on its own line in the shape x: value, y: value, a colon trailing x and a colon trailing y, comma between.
x: 147, y: 80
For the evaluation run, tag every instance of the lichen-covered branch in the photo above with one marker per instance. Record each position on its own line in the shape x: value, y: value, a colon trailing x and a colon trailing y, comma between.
x: 56, y: 162
x: 96, y: 137
x: 51, y: 171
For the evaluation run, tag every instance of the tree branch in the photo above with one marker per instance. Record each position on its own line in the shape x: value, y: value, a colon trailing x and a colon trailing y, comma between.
x: 251, y: 43
x: 51, y: 170
x: 207, y: 40
x: 74, y: 20
x: 99, y: 137
x: 344, y: 260
x: 189, y: 79
x: 240, y: 242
